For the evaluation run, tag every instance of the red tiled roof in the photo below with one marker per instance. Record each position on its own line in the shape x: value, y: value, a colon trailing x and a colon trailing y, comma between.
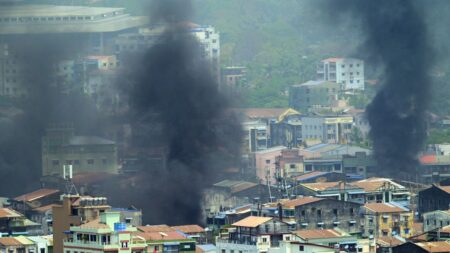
x: 300, y: 201
x: 188, y: 229
x: 318, y: 233
x: 32, y: 196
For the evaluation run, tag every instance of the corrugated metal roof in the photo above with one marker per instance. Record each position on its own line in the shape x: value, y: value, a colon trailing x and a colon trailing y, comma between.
x: 32, y: 196
x: 318, y: 233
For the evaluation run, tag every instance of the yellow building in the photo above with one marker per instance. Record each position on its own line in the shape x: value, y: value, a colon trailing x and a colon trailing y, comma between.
x: 385, y: 219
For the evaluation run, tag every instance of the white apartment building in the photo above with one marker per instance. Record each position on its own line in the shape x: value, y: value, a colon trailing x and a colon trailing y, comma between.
x: 209, y: 38
x: 346, y: 71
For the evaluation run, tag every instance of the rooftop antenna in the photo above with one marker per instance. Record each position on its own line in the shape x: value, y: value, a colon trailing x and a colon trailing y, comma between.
x: 68, y: 175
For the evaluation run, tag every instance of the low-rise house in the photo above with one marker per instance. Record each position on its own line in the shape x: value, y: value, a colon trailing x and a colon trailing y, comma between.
x: 16, y: 245
x: 439, y: 234
x: 335, y: 190
x: 319, y: 176
x: 434, y: 198
x: 436, y: 219
x: 193, y: 231
x: 423, y: 247
x: 383, y: 190
x: 44, y: 216
x: 104, y: 234
x: 29, y: 201
x: 206, y: 248
x: 228, y: 194
x: 386, y: 219
x: 301, y: 247
x: 328, y: 237
x: 253, y: 234
x: 167, y: 241
x: 13, y: 223
x: 386, y: 243
x: 43, y: 244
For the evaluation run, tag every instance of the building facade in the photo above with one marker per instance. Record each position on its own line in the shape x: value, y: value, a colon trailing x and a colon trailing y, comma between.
x: 313, y: 95
x: 327, y: 129
x: 346, y: 71
x: 386, y: 219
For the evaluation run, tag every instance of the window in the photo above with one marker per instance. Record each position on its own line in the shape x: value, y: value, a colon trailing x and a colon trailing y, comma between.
x: 90, y: 161
x: 385, y: 219
x: 124, y: 244
x: 157, y: 247
x: 224, y: 251
x: 352, y: 212
x: 264, y: 239
x: 55, y: 162
x: 303, y: 213
x: 69, y: 162
x: 104, y: 161
x: 292, y: 166
x: 335, y: 212
x: 301, y: 248
x: 319, y: 213
x: 351, y: 65
x: 76, y: 162
x: 267, y: 161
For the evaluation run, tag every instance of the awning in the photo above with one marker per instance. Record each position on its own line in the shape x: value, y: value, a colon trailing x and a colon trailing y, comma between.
x: 305, y: 224
x: 336, y: 222
x: 352, y: 221
x: 386, y: 216
x: 319, y: 223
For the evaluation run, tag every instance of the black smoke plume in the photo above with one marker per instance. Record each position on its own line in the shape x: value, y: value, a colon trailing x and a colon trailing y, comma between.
x: 46, y: 102
x: 396, y: 39
x: 174, y: 88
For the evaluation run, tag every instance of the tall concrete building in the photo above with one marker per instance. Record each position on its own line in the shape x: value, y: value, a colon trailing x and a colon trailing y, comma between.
x: 346, y: 71
x: 327, y: 129
x: 94, y: 27
x: 313, y: 95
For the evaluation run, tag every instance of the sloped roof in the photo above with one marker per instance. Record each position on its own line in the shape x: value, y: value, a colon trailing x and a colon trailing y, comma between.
x: 435, y: 247
x: 300, y: 201
x: 189, y: 229
x: 319, y: 233
x: 43, y: 209
x: 155, y: 228
x: 390, y: 241
x: 310, y: 175
x: 9, y: 241
x: 444, y: 188
x: 9, y: 213
x: 95, y: 224
x: 385, y: 208
x: 252, y: 221
x: 32, y: 196
x: 235, y: 186
x: 374, y: 184
x: 162, y: 236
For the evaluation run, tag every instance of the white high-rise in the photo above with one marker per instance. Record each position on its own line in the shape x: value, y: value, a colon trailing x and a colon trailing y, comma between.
x: 346, y: 71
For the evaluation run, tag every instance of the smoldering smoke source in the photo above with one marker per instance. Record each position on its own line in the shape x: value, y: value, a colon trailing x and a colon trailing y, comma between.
x: 396, y: 39
x: 174, y: 81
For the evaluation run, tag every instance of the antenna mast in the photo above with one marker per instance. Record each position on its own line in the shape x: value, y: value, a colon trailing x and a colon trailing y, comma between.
x: 68, y: 175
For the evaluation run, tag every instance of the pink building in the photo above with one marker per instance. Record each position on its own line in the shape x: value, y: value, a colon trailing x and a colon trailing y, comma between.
x: 264, y: 163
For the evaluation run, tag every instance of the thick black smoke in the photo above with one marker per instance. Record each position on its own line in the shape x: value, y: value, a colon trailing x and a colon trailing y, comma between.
x: 174, y: 83
x: 46, y: 102
x: 396, y: 39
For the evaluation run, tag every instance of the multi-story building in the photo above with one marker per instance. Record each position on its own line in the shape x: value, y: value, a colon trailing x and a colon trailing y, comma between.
x: 321, y: 213
x: 301, y: 247
x: 13, y: 223
x: 434, y: 168
x: 314, y: 95
x: 336, y: 190
x: 95, y: 27
x: 335, y: 238
x: 18, y: 244
x: 161, y: 239
x: 289, y: 164
x: 434, y: 198
x: 104, y: 234
x: 287, y: 130
x: 327, y: 129
x: 263, y: 163
x: 435, y: 219
x: 234, y: 78
x: 256, y: 136
x: 385, y: 219
x: 60, y: 146
x: 253, y: 234
x: 74, y: 210
x: 346, y: 71
x: 423, y: 247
